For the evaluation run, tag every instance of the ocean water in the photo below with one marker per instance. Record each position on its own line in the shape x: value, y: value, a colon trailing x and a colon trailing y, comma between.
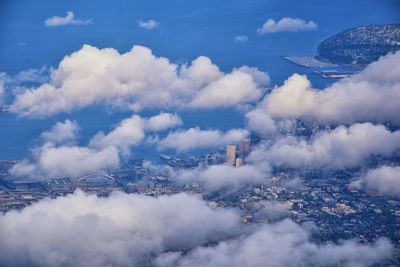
x: 187, y: 30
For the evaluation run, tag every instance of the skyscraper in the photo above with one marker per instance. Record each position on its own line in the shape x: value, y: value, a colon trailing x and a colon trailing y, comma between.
x: 230, y: 155
x: 245, y: 148
x: 239, y: 162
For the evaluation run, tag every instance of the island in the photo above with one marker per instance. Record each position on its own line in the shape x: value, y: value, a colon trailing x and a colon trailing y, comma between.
x: 361, y: 45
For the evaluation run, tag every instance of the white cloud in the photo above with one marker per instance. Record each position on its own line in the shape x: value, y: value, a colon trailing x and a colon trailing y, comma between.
x: 222, y: 176
x: 162, y: 122
x: 93, y: 75
x: 193, y: 138
x: 24, y: 168
x: 149, y: 24
x: 59, y: 156
x: 342, y: 147
x: 384, y: 180
x: 260, y: 122
x: 61, y: 132
x: 16, y: 82
x: 274, y: 210
x: 372, y: 95
x: 132, y: 130
x: 201, y: 72
x: 240, y: 38
x: 136, y: 230
x: 237, y: 87
x: 72, y: 161
x: 287, y: 25
x: 121, y: 230
x: 36, y: 75
x: 69, y: 19
x: 278, y: 245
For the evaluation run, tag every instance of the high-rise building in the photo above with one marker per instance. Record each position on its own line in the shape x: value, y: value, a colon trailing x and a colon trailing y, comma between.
x: 239, y: 162
x: 245, y: 148
x: 230, y: 155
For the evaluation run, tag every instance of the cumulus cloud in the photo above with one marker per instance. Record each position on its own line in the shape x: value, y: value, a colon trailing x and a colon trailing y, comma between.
x: 222, y: 176
x: 35, y: 75
x: 129, y: 132
x: 132, y: 79
x: 372, y: 95
x: 201, y: 71
x: 194, y: 138
x: 340, y: 148
x: 239, y: 86
x: 18, y: 81
x: 69, y: 19
x: 384, y: 180
x: 287, y: 25
x: 240, y: 38
x: 121, y: 230
x: 132, y: 130
x: 60, y: 156
x: 149, y: 24
x: 61, y: 132
x: 162, y: 122
x: 260, y: 122
x: 61, y: 161
x: 271, y: 244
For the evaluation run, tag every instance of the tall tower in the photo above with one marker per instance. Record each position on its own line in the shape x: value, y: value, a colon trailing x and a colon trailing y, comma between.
x: 230, y: 155
x: 239, y: 162
x: 245, y: 148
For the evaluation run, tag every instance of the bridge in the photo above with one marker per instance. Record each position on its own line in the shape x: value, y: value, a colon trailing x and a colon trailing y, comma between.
x: 96, y: 177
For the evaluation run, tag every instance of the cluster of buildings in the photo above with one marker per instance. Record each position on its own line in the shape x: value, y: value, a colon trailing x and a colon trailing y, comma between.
x: 236, y: 157
x: 321, y: 197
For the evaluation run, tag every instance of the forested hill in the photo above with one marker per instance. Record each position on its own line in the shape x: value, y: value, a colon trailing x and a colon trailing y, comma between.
x: 361, y: 45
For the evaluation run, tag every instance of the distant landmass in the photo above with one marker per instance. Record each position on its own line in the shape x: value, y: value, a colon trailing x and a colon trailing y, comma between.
x: 360, y: 45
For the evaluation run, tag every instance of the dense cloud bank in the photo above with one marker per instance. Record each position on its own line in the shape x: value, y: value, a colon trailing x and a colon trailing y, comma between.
x: 223, y: 176
x: 135, y: 230
x: 372, y: 95
x: 122, y: 230
x: 59, y: 155
x: 339, y: 148
x: 218, y: 177
x: 384, y: 180
x: 277, y: 245
x: 138, y: 79
x: 195, y: 138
